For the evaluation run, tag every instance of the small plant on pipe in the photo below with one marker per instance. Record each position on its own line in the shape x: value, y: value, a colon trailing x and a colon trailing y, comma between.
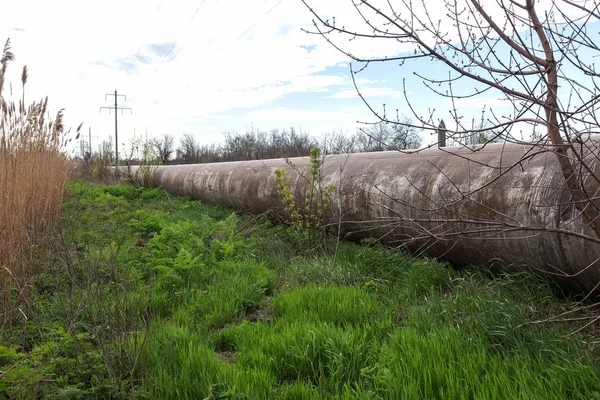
x: 307, y: 219
x: 143, y: 155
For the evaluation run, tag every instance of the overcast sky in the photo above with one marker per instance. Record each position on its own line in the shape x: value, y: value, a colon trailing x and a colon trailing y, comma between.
x: 199, y: 66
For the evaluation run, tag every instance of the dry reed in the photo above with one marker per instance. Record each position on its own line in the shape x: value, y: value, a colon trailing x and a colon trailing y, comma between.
x: 33, y: 174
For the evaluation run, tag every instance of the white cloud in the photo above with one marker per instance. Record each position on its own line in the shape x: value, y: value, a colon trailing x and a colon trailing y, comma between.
x: 184, y: 63
x: 221, y: 60
x: 298, y: 117
x: 366, y: 92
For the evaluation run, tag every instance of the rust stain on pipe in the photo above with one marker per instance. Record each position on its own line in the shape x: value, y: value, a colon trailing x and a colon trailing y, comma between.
x: 503, y: 204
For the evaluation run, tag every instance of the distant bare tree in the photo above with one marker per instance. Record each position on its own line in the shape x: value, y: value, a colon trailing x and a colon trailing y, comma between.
x: 192, y: 152
x: 106, y: 149
x: 257, y: 145
x: 239, y: 146
x: 337, y: 142
x: 164, y: 147
x: 481, y: 132
x: 387, y: 136
x: 405, y: 136
x: 208, y: 153
x: 299, y: 143
x: 189, y: 150
x: 373, y: 138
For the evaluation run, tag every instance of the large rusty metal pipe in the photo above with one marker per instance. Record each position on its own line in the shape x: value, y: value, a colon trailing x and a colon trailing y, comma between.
x: 498, y: 204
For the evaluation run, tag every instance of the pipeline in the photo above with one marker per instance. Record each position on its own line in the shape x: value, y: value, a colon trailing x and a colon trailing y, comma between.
x: 496, y: 205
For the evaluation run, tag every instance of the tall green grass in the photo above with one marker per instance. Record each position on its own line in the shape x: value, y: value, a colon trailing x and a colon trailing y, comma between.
x: 162, y: 297
x: 338, y: 305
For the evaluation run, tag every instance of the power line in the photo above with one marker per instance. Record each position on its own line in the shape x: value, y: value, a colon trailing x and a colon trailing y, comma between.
x: 177, y: 41
x: 116, y: 108
x: 219, y: 49
x: 134, y: 60
x: 197, y: 9
x: 239, y: 37
x: 165, y: 56
x: 136, y: 57
x: 255, y: 22
x: 274, y: 7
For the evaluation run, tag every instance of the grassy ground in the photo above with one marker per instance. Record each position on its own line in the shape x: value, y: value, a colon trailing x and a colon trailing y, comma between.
x: 152, y: 296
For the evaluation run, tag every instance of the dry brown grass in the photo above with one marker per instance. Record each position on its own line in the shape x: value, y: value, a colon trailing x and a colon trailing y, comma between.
x: 33, y: 174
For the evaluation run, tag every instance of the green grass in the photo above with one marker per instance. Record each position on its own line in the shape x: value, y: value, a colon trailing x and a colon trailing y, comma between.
x: 339, y: 305
x: 152, y: 296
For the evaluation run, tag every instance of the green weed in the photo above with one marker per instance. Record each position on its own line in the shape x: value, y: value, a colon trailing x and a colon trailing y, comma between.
x: 306, y: 215
x: 148, y: 295
x: 338, y: 305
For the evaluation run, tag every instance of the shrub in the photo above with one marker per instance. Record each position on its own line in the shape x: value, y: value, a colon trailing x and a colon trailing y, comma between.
x: 308, y: 219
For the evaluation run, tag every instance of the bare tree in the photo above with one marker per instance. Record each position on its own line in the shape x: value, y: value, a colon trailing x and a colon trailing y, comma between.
x: 239, y: 146
x: 373, y: 138
x: 531, y: 68
x: 106, y: 149
x: 259, y: 145
x: 385, y: 136
x: 337, y: 142
x: 539, y: 62
x: 164, y: 147
x: 405, y: 136
x: 189, y: 150
x: 209, y: 153
x: 481, y: 132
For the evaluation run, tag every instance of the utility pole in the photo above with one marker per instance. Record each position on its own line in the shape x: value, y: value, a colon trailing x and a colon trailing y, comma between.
x: 116, y: 108
x: 90, y: 143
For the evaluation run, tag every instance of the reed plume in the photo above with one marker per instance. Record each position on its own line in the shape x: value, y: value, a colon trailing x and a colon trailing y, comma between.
x: 33, y: 174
